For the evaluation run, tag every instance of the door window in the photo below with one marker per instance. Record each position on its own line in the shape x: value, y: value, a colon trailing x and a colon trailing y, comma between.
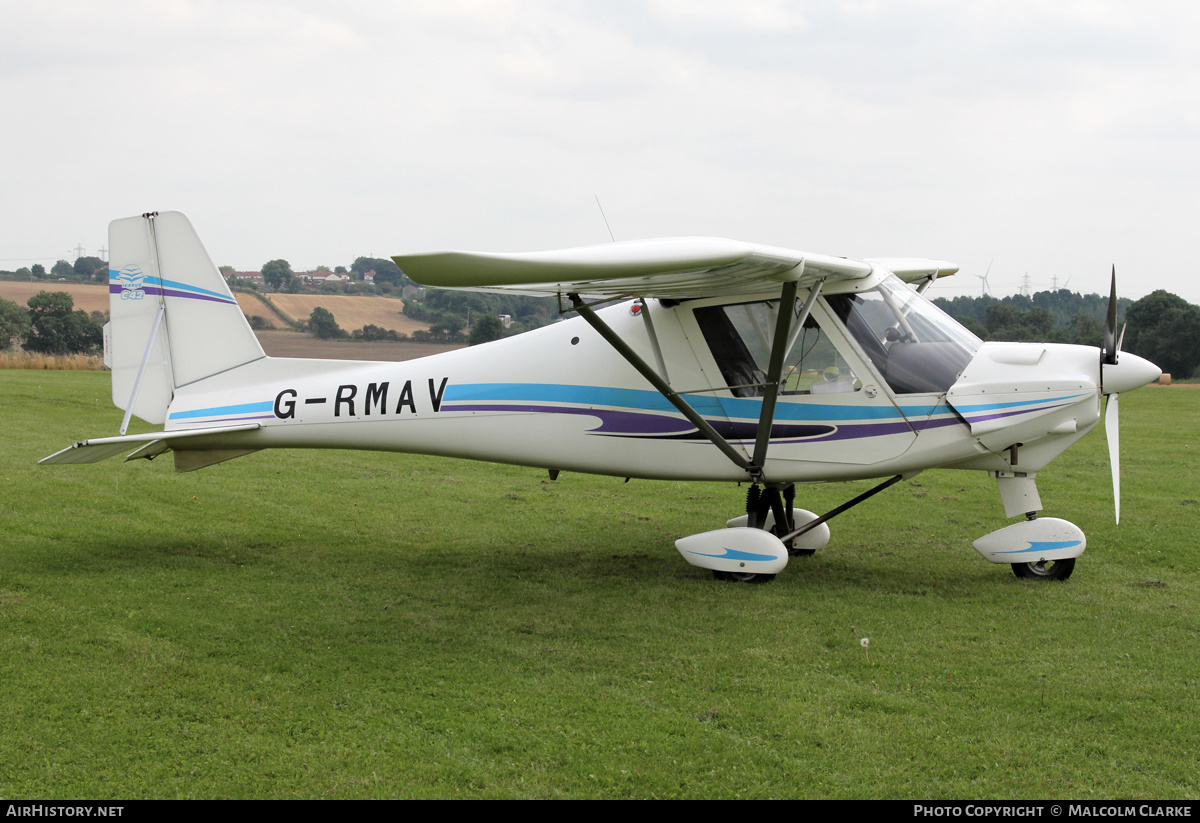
x: 740, y: 336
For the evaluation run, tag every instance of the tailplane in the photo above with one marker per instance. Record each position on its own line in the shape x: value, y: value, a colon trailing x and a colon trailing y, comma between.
x: 173, y: 320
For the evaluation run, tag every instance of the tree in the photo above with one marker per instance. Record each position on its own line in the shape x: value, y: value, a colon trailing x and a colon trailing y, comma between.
x: 322, y: 324
x: 450, y: 325
x: 1165, y: 329
x: 1083, y: 330
x: 56, y: 327
x: 91, y: 267
x: 62, y: 269
x: 1009, y: 321
x: 487, y: 328
x: 386, y: 271
x: 37, y: 270
x: 14, y: 324
x: 278, y: 274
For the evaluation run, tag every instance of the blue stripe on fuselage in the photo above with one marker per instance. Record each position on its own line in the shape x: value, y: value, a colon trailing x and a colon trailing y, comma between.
x: 243, y: 408
x: 644, y: 399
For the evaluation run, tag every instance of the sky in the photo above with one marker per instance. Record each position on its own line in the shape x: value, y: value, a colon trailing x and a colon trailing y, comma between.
x: 1043, y: 139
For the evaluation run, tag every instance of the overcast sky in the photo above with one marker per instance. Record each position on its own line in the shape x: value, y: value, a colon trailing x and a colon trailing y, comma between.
x: 1053, y: 138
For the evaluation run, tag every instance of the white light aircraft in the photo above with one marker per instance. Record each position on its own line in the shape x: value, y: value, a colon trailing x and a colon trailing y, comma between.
x: 724, y: 361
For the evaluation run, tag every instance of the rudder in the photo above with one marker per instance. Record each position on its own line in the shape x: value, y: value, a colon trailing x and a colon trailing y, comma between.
x: 170, y: 308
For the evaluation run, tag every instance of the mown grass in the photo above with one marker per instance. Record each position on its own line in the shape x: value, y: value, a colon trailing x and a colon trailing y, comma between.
x: 336, y: 624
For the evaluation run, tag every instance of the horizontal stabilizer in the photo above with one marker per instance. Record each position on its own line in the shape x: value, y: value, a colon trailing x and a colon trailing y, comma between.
x: 102, y: 448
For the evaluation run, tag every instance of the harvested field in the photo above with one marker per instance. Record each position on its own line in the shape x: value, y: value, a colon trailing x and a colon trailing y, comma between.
x: 295, y: 344
x: 251, y: 305
x: 351, y: 312
x: 87, y: 296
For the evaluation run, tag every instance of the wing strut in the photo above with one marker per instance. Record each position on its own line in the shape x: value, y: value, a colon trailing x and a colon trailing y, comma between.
x: 780, y: 345
x: 661, y: 385
x: 766, y: 417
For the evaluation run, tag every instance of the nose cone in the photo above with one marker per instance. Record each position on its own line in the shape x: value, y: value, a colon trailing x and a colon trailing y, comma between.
x: 1128, y: 373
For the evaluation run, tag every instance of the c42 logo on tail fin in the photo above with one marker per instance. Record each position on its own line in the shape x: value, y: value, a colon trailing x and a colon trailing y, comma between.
x: 130, y: 279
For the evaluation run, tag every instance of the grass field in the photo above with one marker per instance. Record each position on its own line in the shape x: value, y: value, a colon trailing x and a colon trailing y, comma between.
x: 337, y: 624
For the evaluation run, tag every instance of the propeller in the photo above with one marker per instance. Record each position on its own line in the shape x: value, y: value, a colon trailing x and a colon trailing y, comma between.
x: 1130, y: 373
x: 1113, y: 432
x: 1112, y: 428
x: 1110, y: 323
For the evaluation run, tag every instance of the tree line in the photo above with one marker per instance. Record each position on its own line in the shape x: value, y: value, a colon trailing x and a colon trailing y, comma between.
x: 1162, y: 327
x: 321, y: 323
x: 50, y: 324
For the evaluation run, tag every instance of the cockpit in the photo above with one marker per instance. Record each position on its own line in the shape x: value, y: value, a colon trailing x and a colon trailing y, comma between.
x: 912, y: 345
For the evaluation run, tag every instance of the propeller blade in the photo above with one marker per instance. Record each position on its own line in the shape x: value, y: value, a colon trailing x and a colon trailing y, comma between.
x: 1112, y: 431
x: 1110, y: 322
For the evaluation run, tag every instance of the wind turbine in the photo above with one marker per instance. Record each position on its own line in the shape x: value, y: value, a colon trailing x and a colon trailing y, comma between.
x: 985, y: 288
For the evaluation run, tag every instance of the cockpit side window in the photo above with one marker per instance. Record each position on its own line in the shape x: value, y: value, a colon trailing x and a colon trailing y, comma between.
x: 739, y: 337
x: 738, y: 366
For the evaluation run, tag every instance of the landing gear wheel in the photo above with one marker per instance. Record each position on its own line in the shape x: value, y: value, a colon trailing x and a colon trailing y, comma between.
x: 743, y: 577
x: 794, y: 552
x: 1045, y: 569
x: 791, y: 549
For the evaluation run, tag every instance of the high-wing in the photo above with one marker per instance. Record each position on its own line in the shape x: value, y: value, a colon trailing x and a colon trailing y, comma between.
x: 677, y: 267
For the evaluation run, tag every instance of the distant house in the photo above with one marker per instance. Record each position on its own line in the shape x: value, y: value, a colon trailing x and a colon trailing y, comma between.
x: 249, y: 276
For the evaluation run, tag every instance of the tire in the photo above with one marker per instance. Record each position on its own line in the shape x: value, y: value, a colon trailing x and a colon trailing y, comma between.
x: 743, y: 577
x: 1045, y: 569
x: 792, y: 550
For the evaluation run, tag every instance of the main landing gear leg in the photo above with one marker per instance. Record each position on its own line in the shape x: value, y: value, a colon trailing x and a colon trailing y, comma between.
x: 760, y: 506
x: 773, y: 509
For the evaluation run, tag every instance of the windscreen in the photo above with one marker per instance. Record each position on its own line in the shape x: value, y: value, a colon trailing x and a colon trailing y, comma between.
x: 915, y: 345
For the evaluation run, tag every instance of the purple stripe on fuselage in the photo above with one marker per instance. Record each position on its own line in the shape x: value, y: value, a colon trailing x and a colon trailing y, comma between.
x: 857, y: 431
x: 982, y: 417
x: 639, y: 424
x: 611, y: 422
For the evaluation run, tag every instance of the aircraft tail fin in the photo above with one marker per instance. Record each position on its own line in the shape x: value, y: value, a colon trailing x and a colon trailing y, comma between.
x: 173, y: 320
